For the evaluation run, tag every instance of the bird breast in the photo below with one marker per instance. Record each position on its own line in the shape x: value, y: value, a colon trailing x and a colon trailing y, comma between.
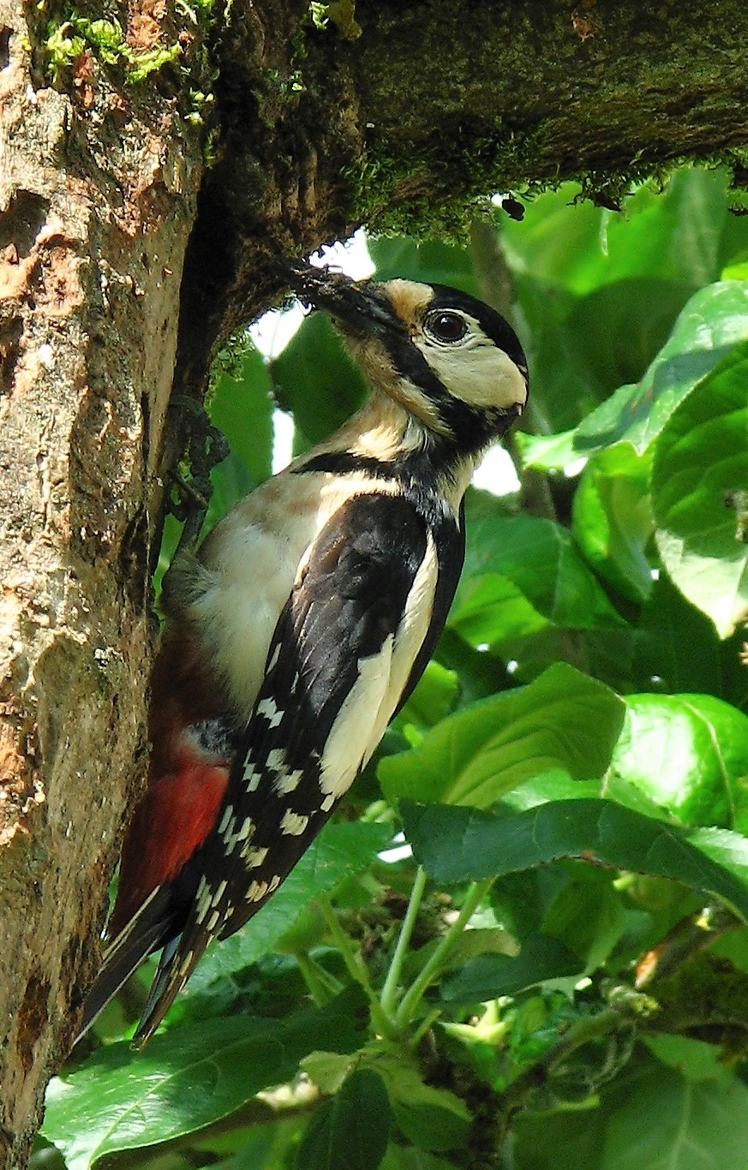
x: 250, y: 563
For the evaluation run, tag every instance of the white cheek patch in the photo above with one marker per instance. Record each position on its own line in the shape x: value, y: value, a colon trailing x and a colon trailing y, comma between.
x: 476, y: 371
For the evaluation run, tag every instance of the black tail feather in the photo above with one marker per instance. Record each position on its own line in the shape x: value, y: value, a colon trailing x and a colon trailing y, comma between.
x: 146, y: 931
x: 164, y: 990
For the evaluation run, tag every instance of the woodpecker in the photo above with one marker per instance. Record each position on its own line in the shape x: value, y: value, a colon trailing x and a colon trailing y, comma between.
x: 302, y: 624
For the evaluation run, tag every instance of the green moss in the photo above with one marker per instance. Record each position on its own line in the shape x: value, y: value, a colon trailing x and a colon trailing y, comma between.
x: 340, y: 13
x: 75, y: 34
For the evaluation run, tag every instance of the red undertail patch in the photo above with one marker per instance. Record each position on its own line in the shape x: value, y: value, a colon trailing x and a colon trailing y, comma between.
x: 172, y: 821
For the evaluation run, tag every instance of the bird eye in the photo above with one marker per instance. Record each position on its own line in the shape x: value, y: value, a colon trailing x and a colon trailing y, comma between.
x: 446, y: 326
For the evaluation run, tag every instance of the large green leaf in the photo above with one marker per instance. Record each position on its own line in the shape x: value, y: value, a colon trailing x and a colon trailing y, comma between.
x: 562, y: 720
x: 672, y: 1123
x: 121, y: 1100
x: 676, y: 646
x: 547, y: 452
x: 463, y: 844
x: 700, y: 492
x: 713, y: 321
x: 339, y: 851
x: 522, y: 573
x: 598, y: 292
x: 688, y: 753
x: 612, y: 519
x: 434, y: 697
x: 677, y: 235
x: 352, y: 1130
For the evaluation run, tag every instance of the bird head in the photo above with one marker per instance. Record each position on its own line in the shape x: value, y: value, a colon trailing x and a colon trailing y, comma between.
x: 450, y: 360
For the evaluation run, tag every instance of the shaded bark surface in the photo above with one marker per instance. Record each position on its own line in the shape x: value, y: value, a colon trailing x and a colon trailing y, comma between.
x: 124, y: 258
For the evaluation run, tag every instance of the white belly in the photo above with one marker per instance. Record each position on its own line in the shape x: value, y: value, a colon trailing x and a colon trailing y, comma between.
x: 251, y: 561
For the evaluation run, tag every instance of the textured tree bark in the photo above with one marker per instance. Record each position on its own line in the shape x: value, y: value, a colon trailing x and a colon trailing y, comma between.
x: 124, y: 258
x: 97, y: 197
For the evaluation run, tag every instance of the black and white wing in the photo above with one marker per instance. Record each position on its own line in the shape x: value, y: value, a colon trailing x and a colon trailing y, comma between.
x: 350, y: 643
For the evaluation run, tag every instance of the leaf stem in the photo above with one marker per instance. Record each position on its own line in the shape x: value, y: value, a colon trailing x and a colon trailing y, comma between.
x: 388, y: 998
x: 354, y: 964
x: 413, y: 996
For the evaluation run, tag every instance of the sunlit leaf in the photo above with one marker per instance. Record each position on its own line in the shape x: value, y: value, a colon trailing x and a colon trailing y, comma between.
x: 688, y: 753
x: 612, y: 519
x: 524, y: 572
x: 711, y: 324
x: 700, y: 492
x: 183, y: 1080
x: 563, y: 720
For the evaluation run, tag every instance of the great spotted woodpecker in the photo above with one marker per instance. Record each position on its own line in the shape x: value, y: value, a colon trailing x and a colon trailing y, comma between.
x: 303, y: 624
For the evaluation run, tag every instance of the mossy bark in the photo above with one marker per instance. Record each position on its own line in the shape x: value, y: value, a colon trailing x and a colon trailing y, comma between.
x: 125, y: 261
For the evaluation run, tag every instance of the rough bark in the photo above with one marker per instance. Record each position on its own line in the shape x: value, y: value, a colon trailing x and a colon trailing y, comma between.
x: 105, y: 203
x: 97, y: 195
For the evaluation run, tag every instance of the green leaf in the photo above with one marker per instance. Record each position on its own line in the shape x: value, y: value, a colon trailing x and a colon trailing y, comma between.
x: 339, y: 851
x: 688, y: 753
x: 352, y: 1130
x: 434, y: 697
x: 489, y: 976
x: 713, y: 321
x: 598, y: 292
x: 586, y: 915
x: 491, y: 609
x: 694, y: 1059
x: 700, y: 492
x: 669, y: 1122
x: 546, y: 572
x: 562, y: 720
x: 612, y: 519
x: 315, y: 379
x: 431, y: 261
x: 676, y: 235
x: 461, y: 844
x: 676, y: 646
x: 240, y: 405
x: 431, y: 1118
x: 547, y: 452
x: 184, y: 1079
x: 651, y: 1117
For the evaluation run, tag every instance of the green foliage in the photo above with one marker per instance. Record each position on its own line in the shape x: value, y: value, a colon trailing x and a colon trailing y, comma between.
x: 571, y: 773
x: 68, y: 40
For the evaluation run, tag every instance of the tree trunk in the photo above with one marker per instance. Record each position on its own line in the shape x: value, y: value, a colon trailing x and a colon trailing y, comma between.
x: 124, y: 258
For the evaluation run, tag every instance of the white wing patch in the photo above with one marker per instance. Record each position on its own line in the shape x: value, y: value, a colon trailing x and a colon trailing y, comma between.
x: 270, y: 711
x: 362, y: 719
x: 293, y: 823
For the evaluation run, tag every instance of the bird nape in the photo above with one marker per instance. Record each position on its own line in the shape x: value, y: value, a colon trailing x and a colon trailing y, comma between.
x: 302, y: 624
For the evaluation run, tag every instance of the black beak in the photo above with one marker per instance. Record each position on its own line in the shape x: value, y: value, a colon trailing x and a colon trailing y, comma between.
x: 359, y: 306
